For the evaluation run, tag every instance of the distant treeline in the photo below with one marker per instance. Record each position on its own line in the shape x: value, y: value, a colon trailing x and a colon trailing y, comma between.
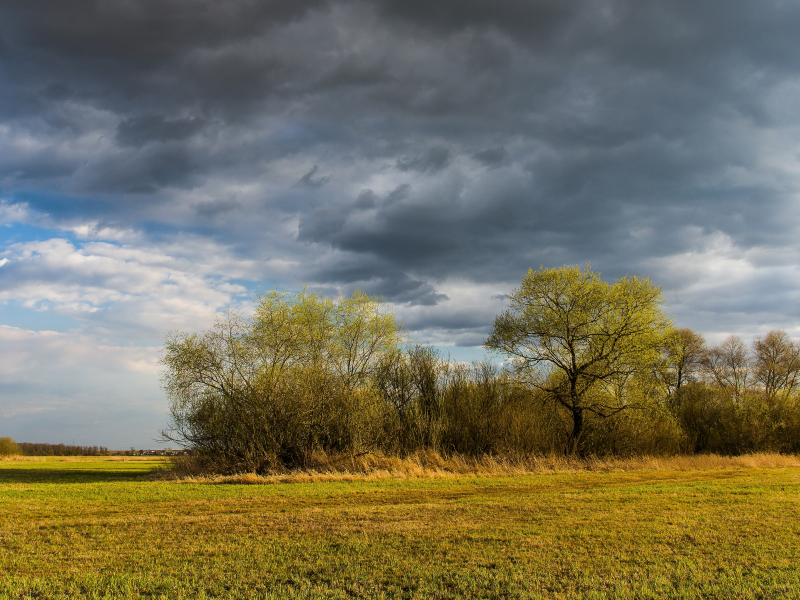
x: 32, y: 449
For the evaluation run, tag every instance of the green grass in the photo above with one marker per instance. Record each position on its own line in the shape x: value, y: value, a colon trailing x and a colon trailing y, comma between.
x: 100, y: 528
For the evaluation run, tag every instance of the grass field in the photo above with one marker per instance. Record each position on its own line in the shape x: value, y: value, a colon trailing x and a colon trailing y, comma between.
x: 102, y: 528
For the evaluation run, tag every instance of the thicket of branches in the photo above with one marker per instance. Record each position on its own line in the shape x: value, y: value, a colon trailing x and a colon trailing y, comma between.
x: 732, y: 398
x: 307, y: 375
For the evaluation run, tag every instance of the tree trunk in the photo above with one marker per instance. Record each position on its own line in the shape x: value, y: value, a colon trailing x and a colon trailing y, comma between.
x: 577, y: 430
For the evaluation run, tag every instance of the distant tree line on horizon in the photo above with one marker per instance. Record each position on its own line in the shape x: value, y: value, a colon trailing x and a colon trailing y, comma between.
x: 589, y: 368
x: 9, y: 447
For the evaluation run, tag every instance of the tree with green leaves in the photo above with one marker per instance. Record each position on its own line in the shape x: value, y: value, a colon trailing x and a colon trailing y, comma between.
x: 570, y: 334
x: 9, y: 447
x: 295, y: 378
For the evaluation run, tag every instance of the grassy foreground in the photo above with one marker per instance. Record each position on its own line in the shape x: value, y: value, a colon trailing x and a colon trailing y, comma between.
x: 100, y: 528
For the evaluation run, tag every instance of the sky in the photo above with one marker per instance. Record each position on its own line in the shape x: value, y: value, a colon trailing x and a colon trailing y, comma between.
x: 161, y: 160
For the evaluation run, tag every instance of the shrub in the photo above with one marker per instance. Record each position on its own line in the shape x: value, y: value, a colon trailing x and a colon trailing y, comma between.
x: 295, y: 379
x: 9, y: 447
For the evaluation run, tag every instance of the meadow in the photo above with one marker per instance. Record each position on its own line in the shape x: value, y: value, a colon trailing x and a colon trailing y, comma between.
x: 100, y: 527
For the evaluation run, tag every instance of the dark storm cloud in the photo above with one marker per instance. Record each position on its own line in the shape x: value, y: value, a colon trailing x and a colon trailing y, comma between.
x: 400, y: 288
x: 491, y: 157
x: 137, y: 131
x: 214, y: 208
x: 142, y: 33
x: 310, y: 181
x: 432, y: 160
x: 401, y: 143
x: 541, y: 23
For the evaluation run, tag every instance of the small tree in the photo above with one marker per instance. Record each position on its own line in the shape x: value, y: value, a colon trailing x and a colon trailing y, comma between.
x: 776, y: 364
x: 683, y: 353
x: 568, y: 332
x: 9, y: 447
x: 728, y: 364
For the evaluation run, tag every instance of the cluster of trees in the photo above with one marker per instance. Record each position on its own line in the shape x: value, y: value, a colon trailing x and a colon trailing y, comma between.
x: 730, y: 398
x: 9, y: 447
x: 589, y: 367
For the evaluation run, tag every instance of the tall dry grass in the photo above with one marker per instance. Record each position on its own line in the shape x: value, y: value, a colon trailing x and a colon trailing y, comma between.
x: 429, y: 464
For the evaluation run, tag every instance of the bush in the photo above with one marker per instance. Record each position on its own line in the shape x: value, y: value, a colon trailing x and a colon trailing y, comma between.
x: 700, y: 411
x: 295, y: 379
x: 9, y: 447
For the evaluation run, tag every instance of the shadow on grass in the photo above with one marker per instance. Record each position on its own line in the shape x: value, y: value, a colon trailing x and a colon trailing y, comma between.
x: 74, y: 475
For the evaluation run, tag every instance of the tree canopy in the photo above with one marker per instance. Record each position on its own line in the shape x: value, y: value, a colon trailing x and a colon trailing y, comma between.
x: 274, y: 387
x: 589, y: 367
x: 569, y: 333
x: 9, y: 447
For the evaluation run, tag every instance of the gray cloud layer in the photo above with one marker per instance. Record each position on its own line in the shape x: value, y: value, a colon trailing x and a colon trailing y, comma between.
x: 398, y: 145
x: 159, y: 158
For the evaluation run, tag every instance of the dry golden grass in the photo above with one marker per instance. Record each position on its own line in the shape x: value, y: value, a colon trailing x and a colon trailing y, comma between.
x: 430, y: 465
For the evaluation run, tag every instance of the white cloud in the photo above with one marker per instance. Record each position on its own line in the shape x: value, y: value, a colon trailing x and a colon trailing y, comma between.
x: 13, y: 212
x: 110, y: 286
x: 721, y: 288
x: 57, y: 387
x: 32, y: 356
x: 464, y: 318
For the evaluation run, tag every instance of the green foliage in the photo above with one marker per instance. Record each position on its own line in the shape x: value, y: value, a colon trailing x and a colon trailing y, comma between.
x: 699, y: 409
x: 411, y: 384
x: 683, y: 353
x: 9, y: 447
x: 715, y: 421
x: 253, y: 394
x: 594, y: 368
x: 486, y: 411
x: 453, y: 407
x: 580, y: 340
